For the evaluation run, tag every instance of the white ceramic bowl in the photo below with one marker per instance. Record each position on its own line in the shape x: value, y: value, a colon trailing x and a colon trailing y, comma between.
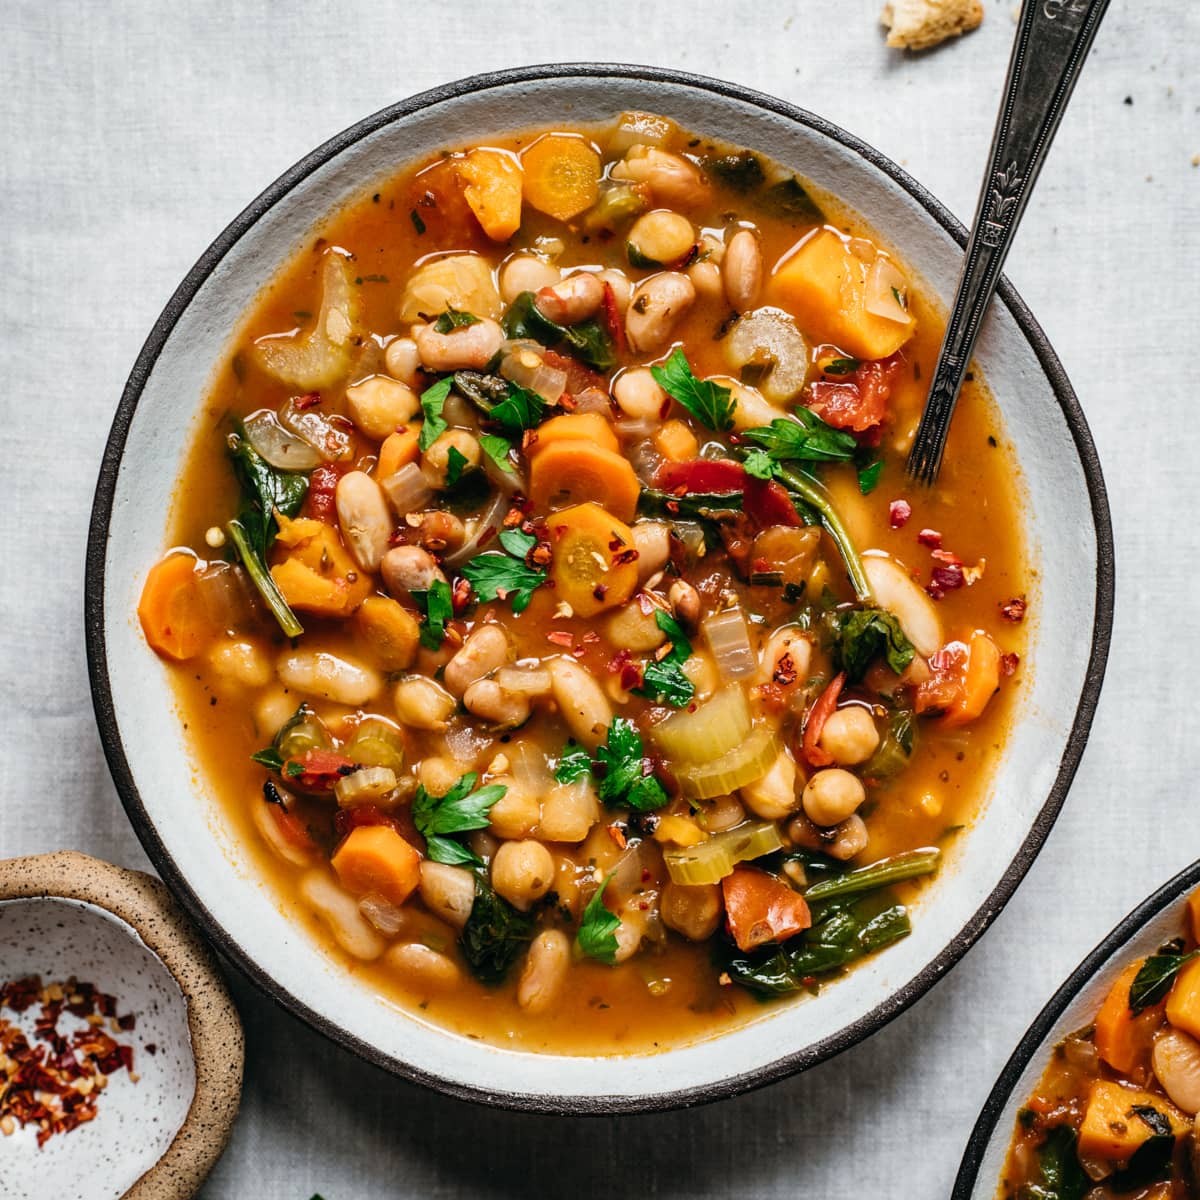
x: 1067, y: 525
x: 1154, y: 922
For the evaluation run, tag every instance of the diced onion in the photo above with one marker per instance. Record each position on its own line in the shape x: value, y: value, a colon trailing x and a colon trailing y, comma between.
x: 461, y: 281
x: 365, y: 785
x: 279, y: 446
x: 885, y: 284
x: 226, y: 592
x: 329, y: 439
x: 742, y: 765
x: 728, y: 636
x: 526, y: 368
x: 407, y: 490
x: 376, y: 743
x: 711, y: 861
x: 524, y: 681
x: 383, y: 914
x: 716, y: 727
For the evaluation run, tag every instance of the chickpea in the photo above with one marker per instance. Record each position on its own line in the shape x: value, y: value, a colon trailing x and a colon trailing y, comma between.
x: 706, y: 279
x: 850, y: 840
x: 422, y: 968
x: 402, y: 360
x: 408, y: 569
x: 545, y: 971
x: 568, y: 812
x: 435, y: 464
x: 721, y: 813
x: 380, y: 405
x: 685, y: 603
x: 702, y: 671
x: 572, y: 300
x: 522, y: 872
x: 447, y: 891
x: 525, y: 273
x: 482, y: 652
x: 486, y: 699
x: 516, y: 813
x: 633, y: 629
x: 774, y: 795
x: 742, y: 270
x: 832, y: 795
x: 849, y: 735
x: 638, y: 395
x: 422, y: 703
x: 659, y: 238
x: 652, y: 540
x: 240, y: 662
x: 694, y: 911
x: 656, y: 308
x: 363, y: 518
x: 470, y: 347
x: 438, y: 773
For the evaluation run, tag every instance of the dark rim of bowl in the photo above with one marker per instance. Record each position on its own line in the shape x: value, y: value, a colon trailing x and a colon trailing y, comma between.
x: 1034, y: 1039
x: 114, y: 750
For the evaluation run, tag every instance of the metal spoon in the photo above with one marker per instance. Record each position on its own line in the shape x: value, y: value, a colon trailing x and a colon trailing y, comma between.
x: 1053, y: 39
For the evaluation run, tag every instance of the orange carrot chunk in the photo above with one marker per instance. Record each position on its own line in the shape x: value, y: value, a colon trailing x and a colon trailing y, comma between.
x: 172, y: 611
x: 562, y: 175
x: 375, y: 858
x: 594, y: 563
x: 760, y: 908
x: 573, y: 471
x: 587, y: 427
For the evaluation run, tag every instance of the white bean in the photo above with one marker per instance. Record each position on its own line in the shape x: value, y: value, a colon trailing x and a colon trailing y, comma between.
x: 516, y: 813
x: 241, y: 662
x: 656, y: 308
x: 270, y: 830
x: 319, y: 673
x: 652, y: 540
x: 774, y: 795
x: 364, y: 519
x: 672, y: 180
x: 632, y: 629
x: 483, y: 651
x: 410, y: 569
x: 850, y: 839
x: 895, y: 590
x: 706, y: 279
x: 694, y: 911
x: 449, y: 892
x: 572, y: 300
x: 791, y: 643
x: 742, y: 270
x: 525, y: 273
x: 502, y: 709
x: 423, y: 703
x: 621, y: 287
x: 470, y: 347
x: 379, y: 405
x: 581, y: 700
x: 1176, y: 1062
x: 544, y: 972
x: 423, y: 968
x: 569, y: 811
x: 339, y: 910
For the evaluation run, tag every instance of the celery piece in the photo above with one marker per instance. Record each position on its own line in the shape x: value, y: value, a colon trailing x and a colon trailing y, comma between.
x: 879, y: 874
x: 716, y: 727
x: 742, y: 765
x: 711, y: 860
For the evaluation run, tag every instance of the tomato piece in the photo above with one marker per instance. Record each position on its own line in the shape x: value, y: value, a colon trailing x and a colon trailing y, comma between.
x: 322, y: 487
x: 760, y: 908
x: 613, y: 321
x: 767, y: 504
x: 818, y: 715
x: 965, y: 676
x: 858, y: 404
x: 317, y: 770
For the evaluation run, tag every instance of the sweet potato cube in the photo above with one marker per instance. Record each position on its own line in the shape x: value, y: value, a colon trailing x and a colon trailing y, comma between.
x: 1183, y: 1004
x: 824, y: 286
x: 375, y: 859
x: 493, y: 190
x: 318, y: 575
x: 1112, y: 1128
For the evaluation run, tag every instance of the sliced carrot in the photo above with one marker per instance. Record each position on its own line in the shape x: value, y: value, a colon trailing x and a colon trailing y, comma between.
x: 171, y: 610
x: 562, y: 175
x: 821, y: 711
x: 586, y: 427
x: 398, y: 450
x: 375, y: 858
x: 573, y: 471
x: 676, y: 442
x: 1122, y: 1039
x: 980, y: 682
x: 760, y: 908
x: 594, y: 564
x: 493, y: 190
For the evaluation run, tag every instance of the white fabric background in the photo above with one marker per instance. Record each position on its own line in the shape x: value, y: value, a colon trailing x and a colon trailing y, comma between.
x: 131, y: 135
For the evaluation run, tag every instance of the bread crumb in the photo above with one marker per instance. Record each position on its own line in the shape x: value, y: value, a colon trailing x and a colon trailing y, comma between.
x: 920, y: 24
x: 1196, y: 160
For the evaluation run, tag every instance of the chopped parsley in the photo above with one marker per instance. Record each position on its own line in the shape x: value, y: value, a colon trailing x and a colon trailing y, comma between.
x: 663, y: 680
x: 456, y: 460
x: 574, y: 763
x: 626, y: 780
x: 453, y: 319
x: 497, y: 449
x: 596, y: 936
x: 418, y: 224
x: 521, y: 409
x: 841, y: 366
x: 433, y: 400
x: 497, y: 576
x: 462, y: 809
x: 868, y: 476
x: 711, y: 404
x: 438, y: 603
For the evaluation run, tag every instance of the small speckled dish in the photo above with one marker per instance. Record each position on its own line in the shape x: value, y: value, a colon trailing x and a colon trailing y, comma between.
x: 156, y: 1137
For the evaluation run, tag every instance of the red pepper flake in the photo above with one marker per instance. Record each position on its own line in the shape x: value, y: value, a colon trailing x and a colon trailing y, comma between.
x: 930, y: 537
x: 590, y: 638
x: 631, y: 676
x: 1009, y: 663
x: 785, y: 671
x: 600, y: 591
x: 618, y: 836
x: 460, y: 595
x: 947, y: 556
x: 55, y: 1086
x: 618, y: 661
x: 612, y: 318
x: 1014, y: 609
x: 898, y: 513
x: 945, y: 579
x: 561, y: 637
x: 322, y: 490
x: 307, y: 401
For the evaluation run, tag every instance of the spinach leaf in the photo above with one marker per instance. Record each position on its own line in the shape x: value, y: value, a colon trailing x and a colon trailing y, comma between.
x: 663, y: 680
x: 806, y: 439
x: 521, y: 409
x: 865, y: 634
x: 588, y: 341
x: 707, y: 506
x: 896, y: 747
x: 1151, y: 1161
x: 596, y: 930
x: 495, y: 934
x: 1156, y: 977
x: 574, y: 763
x: 626, y: 781
x: 868, y: 477
x: 433, y: 400
x: 789, y: 199
x: 481, y: 389
x: 1062, y: 1176
x: 739, y: 172
x: 460, y: 810
x: 841, y: 366
x: 452, y: 319
x: 711, y: 404
x: 438, y: 603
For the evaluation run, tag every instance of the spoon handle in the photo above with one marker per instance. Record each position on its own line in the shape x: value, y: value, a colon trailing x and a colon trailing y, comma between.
x: 1053, y: 39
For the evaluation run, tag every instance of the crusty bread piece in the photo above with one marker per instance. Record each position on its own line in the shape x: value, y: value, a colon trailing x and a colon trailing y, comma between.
x: 919, y: 24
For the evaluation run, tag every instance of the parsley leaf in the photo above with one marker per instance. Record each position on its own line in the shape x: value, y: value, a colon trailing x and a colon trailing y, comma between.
x: 460, y: 810
x: 456, y: 460
x: 1154, y: 980
x: 269, y: 758
x: 759, y: 464
x: 868, y: 476
x: 497, y: 576
x: 663, y: 680
x: 711, y: 404
x: 596, y: 936
x: 433, y: 400
x: 841, y: 366
x: 574, y: 763
x: 438, y: 603
x: 453, y: 319
x: 805, y: 439
x: 866, y: 633
x: 520, y: 410
x: 497, y: 449
x: 626, y: 782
